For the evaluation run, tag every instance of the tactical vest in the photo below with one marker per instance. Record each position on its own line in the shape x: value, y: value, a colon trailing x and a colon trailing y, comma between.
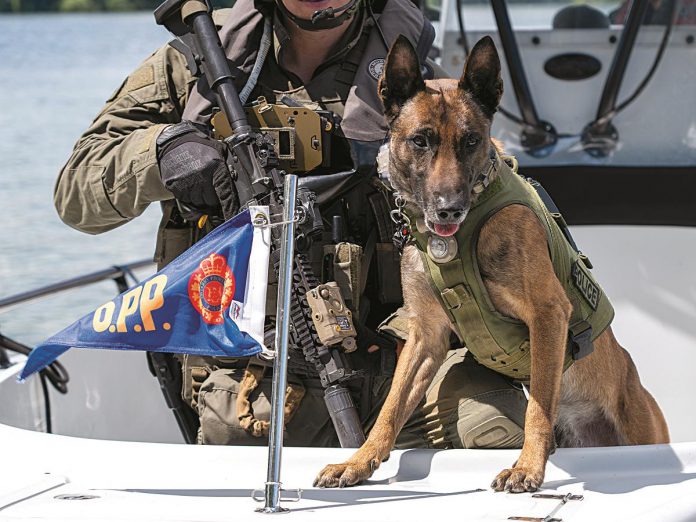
x: 499, y: 342
x: 363, y: 115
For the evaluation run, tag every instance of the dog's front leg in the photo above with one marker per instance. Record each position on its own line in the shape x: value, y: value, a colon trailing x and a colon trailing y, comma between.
x: 548, y: 330
x: 520, y: 278
x: 417, y: 365
x: 428, y: 341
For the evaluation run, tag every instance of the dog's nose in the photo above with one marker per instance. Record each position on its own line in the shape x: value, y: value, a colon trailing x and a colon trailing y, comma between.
x: 450, y: 207
x: 449, y: 213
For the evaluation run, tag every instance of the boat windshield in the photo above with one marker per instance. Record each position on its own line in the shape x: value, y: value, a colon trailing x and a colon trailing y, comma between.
x: 595, y: 109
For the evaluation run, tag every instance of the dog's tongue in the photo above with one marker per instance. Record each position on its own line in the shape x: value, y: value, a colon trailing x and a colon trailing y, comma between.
x: 446, y: 230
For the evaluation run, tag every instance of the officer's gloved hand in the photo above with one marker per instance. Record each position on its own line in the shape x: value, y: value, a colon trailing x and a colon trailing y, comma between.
x: 192, y: 166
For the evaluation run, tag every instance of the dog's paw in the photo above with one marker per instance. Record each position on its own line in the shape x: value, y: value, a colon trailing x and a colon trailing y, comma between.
x: 518, y: 480
x: 346, y: 474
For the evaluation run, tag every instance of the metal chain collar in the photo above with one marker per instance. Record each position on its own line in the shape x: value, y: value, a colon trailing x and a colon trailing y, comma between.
x: 402, y: 235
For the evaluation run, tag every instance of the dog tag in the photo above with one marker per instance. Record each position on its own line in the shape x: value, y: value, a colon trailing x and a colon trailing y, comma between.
x: 442, y: 249
x: 401, y: 237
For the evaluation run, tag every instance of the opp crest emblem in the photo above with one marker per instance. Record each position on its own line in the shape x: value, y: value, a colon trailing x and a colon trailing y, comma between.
x: 211, y: 287
x: 375, y: 68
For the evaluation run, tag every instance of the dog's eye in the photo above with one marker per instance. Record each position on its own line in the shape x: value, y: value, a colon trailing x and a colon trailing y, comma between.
x: 471, y: 140
x: 420, y: 141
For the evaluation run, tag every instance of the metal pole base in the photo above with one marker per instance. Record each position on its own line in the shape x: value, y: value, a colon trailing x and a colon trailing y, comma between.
x: 272, y: 498
x: 600, y: 141
x: 277, y: 509
x: 540, y: 141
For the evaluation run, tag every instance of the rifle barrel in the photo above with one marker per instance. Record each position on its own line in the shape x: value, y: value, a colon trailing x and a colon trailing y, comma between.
x: 217, y: 71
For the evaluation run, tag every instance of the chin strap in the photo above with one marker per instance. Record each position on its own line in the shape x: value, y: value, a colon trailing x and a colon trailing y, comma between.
x: 323, y: 19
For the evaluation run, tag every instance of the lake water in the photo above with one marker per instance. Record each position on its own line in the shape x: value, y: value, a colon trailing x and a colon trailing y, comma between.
x: 56, y: 71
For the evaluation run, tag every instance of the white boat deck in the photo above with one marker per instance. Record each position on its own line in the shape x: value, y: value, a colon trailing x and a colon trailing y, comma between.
x: 113, y: 396
x: 171, y: 482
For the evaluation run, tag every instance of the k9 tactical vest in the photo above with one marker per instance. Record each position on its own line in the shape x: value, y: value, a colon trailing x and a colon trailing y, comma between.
x: 499, y: 342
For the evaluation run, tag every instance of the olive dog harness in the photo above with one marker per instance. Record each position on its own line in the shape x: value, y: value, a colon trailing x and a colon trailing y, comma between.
x: 499, y: 342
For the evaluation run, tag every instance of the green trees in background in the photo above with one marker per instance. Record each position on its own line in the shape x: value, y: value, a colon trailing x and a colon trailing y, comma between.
x: 18, y: 6
x: 29, y: 6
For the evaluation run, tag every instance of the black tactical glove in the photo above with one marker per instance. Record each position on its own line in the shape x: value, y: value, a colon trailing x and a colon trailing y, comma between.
x: 192, y: 166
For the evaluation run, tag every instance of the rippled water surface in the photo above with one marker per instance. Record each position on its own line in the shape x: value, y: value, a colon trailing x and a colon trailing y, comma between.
x: 56, y: 71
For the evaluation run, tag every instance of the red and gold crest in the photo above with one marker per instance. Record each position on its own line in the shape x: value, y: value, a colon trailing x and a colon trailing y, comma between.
x: 211, y: 288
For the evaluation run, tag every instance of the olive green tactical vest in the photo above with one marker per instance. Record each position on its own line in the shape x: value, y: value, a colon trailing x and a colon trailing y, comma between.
x: 499, y: 342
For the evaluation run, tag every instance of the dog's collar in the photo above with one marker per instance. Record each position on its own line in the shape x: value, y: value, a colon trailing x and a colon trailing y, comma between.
x: 483, y: 180
x: 383, y: 161
x: 402, y: 236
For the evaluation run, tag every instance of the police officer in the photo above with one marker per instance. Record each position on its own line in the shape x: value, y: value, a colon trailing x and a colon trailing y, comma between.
x: 132, y: 154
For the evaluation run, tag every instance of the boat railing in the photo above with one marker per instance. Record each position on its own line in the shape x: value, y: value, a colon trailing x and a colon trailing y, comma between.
x: 117, y: 273
x: 56, y: 373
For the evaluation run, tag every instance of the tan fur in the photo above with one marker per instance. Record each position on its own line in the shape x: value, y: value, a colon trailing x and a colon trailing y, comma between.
x: 600, y: 399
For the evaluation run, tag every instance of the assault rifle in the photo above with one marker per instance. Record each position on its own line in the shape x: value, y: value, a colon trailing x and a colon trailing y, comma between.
x: 255, y: 164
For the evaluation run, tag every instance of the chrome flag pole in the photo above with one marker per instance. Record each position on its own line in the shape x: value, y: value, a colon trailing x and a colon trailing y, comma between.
x: 280, y: 365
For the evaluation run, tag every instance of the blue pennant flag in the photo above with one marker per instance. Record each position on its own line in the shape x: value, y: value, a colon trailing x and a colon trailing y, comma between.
x: 208, y: 301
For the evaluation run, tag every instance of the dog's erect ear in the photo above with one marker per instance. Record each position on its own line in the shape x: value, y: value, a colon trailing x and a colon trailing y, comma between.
x: 401, y: 78
x: 482, y: 75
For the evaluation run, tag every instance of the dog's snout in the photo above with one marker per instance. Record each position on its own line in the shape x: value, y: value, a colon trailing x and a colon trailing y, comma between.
x: 450, y: 209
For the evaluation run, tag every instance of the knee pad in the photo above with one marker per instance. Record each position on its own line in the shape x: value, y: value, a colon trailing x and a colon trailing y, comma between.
x: 492, y: 420
x: 496, y: 432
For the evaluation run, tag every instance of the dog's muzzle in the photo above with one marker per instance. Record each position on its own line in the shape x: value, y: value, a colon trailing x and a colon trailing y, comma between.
x: 447, y: 221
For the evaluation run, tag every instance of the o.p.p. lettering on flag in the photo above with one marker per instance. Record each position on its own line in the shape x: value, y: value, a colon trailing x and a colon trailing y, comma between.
x: 209, y: 301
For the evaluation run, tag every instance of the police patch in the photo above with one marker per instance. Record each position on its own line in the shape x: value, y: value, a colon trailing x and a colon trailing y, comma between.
x: 376, y: 67
x: 211, y: 287
x: 587, y: 287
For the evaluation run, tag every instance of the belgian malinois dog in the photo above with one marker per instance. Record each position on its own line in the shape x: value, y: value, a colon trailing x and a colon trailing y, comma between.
x: 440, y: 141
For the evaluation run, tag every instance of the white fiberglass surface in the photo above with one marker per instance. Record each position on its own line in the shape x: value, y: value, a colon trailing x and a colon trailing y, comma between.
x: 657, y: 128
x: 21, y: 405
x: 62, y: 478
x: 647, y: 272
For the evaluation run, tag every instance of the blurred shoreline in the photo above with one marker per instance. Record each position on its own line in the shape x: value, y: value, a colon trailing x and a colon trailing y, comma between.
x: 85, y: 6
